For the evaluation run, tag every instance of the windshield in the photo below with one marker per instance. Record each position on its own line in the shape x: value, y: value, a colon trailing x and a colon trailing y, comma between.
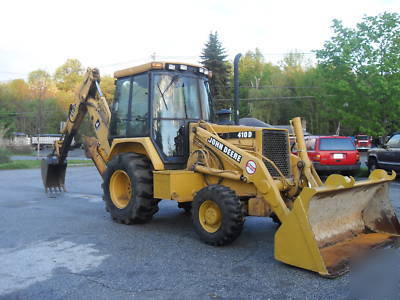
x: 362, y: 137
x: 336, y: 145
x: 180, y: 97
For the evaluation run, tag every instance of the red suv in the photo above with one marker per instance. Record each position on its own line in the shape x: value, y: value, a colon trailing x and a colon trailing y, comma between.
x: 363, y: 142
x: 332, y: 154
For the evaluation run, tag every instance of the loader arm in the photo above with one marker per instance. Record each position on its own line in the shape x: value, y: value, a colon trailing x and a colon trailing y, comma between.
x: 89, y: 100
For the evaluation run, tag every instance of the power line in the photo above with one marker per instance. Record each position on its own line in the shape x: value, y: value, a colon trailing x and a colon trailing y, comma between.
x: 123, y: 62
x: 272, y: 87
x: 288, y: 53
x: 281, y: 87
x: 28, y: 112
x: 160, y: 57
x: 271, y: 98
x: 13, y: 73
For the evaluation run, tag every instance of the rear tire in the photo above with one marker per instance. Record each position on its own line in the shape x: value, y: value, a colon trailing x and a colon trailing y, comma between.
x: 217, y: 215
x: 128, y: 189
x: 186, y: 206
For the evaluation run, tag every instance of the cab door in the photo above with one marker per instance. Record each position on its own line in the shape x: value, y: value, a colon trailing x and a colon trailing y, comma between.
x: 177, y: 100
x: 391, y: 157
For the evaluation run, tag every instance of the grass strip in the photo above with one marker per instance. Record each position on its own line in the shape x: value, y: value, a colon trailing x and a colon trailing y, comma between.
x: 31, y: 164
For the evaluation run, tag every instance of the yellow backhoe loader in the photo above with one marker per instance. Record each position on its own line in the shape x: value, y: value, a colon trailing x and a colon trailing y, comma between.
x: 161, y: 142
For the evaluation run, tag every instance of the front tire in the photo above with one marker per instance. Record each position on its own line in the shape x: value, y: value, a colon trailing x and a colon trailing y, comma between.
x: 217, y: 215
x: 128, y: 189
x: 372, y: 164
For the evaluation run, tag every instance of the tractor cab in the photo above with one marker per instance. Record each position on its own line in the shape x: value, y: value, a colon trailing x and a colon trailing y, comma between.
x: 158, y: 100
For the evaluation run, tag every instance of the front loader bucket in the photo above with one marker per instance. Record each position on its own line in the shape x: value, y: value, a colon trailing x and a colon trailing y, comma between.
x: 53, y: 174
x: 333, y: 225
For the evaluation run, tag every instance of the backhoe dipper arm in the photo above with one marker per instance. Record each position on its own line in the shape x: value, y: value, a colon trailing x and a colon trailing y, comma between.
x: 89, y: 100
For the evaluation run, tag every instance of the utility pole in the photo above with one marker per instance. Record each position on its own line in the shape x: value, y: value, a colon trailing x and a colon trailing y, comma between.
x: 39, y: 123
x: 42, y: 88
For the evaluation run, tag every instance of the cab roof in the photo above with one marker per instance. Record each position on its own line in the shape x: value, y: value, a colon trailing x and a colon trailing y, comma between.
x: 161, y: 65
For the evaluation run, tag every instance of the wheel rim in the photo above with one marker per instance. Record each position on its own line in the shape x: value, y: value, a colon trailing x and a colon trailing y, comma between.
x: 210, y: 216
x: 120, y: 189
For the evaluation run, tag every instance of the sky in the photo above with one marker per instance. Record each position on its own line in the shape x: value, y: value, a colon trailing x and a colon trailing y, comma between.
x: 117, y: 34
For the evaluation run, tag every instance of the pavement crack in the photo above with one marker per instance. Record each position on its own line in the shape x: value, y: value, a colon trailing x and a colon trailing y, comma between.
x: 129, y: 291
x: 94, y: 280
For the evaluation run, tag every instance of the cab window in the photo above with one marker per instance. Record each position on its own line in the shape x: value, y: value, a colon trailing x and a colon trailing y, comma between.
x: 139, y: 109
x: 178, y: 99
x: 131, y: 107
x: 310, y: 144
x: 394, y: 141
x: 120, y: 108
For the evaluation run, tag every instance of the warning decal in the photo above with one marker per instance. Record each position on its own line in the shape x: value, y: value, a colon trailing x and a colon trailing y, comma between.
x: 251, y: 167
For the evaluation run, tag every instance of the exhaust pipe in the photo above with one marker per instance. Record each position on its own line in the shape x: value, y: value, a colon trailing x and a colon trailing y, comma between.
x: 236, y: 87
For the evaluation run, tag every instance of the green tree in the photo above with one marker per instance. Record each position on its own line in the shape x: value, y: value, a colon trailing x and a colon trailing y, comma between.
x: 108, y: 87
x: 255, y: 76
x: 39, y: 82
x: 278, y: 93
x: 69, y: 75
x: 361, y: 71
x: 214, y: 58
x: 20, y: 90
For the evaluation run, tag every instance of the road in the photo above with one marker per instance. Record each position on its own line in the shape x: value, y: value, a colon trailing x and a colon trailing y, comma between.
x: 73, y: 154
x: 65, y: 246
x: 363, y: 159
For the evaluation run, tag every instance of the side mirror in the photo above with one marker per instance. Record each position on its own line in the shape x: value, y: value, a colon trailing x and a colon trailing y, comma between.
x: 385, y: 146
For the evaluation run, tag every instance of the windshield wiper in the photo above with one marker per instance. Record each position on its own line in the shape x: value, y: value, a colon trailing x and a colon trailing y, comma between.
x: 166, y: 89
x: 162, y: 96
x: 184, y: 100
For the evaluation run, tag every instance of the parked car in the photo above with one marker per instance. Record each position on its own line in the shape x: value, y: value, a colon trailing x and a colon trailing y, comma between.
x: 363, y: 142
x: 387, y: 157
x: 333, y: 154
x: 46, y: 140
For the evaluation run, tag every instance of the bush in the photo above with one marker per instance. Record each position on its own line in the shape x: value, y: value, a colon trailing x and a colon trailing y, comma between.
x: 20, y: 149
x: 362, y: 172
x: 4, y: 156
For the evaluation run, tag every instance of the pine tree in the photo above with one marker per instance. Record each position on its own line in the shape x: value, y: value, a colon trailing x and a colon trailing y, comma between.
x: 214, y: 58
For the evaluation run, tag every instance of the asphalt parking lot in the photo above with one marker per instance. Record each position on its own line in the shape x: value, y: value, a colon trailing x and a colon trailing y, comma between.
x: 65, y: 246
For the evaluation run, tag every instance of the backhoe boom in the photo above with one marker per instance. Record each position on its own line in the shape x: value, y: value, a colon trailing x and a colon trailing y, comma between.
x: 89, y: 100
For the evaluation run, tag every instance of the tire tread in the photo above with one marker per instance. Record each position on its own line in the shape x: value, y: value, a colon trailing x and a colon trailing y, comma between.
x: 145, y: 205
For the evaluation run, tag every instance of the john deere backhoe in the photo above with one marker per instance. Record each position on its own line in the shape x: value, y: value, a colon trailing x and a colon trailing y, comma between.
x: 161, y: 142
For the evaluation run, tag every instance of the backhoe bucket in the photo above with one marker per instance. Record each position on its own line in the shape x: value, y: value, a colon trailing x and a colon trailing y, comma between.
x: 331, y: 226
x: 53, y: 174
